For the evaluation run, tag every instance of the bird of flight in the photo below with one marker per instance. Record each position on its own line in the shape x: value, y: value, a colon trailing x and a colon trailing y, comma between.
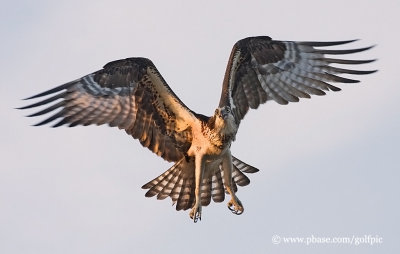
x: 132, y: 95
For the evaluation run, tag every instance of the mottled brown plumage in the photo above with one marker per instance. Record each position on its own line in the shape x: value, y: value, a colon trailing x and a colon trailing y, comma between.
x: 132, y: 95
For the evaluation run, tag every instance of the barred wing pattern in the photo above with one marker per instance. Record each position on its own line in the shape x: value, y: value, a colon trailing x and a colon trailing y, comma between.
x: 132, y: 95
x: 178, y: 181
x: 129, y: 94
x: 262, y: 69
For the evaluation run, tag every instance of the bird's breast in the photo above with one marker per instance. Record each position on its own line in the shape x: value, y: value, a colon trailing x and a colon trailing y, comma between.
x: 209, y: 142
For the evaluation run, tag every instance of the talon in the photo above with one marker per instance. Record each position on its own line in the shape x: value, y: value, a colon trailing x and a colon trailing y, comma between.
x: 235, y: 206
x: 195, y: 213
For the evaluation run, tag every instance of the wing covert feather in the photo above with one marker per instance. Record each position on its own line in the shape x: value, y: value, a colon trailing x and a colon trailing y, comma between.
x: 261, y: 69
x: 129, y: 94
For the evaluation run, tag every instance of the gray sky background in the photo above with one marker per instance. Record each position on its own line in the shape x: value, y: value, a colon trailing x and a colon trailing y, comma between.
x: 329, y: 165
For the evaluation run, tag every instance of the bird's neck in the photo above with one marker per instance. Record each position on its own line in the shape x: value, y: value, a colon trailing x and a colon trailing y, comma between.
x: 225, y: 130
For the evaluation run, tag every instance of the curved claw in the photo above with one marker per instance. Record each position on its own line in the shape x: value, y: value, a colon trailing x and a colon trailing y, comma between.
x: 196, y: 217
x: 234, y: 210
x: 235, y: 206
x: 195, y: 214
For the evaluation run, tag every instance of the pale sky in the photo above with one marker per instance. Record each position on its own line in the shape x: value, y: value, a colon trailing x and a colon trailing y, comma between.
x: 328, y: 166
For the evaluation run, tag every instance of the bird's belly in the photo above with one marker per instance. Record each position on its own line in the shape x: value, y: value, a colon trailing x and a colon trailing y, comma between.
x: 215, y: 151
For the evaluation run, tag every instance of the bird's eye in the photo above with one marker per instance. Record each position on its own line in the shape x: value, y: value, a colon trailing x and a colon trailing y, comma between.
x: 216, y: 111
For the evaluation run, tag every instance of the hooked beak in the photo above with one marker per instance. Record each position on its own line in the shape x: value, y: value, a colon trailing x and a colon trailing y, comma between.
x: 224, y: 113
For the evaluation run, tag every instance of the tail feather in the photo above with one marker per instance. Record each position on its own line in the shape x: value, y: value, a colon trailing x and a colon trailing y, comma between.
x: 217, y: 187
x: 158, y: 183
x: 234, y: 186
x: 178, y: 183
x: 176, y: 191
x: 166, y: 191
x: 206, y: 191
x: 186, y: 197
x: 243, y: 167
x: 240, y: 178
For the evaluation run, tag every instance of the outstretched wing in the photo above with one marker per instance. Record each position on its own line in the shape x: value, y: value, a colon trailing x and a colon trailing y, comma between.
x: 262, y: 69
x: 129, y: 94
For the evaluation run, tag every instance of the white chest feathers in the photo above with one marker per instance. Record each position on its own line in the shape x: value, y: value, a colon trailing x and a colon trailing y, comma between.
x: 214, y: 139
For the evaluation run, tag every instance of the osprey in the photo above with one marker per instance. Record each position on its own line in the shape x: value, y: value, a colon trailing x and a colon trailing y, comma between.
x: 132, y: 95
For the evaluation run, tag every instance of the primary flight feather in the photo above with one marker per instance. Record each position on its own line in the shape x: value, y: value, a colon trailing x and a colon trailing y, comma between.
x: 132, y: 95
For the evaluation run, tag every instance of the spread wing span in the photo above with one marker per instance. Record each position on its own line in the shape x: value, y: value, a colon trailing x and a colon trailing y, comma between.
x: 262, y: 69
x: 129, y: 94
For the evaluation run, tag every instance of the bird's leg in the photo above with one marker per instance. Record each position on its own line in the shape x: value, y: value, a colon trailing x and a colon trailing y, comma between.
x: 234, y: 204
x: 195, y: 213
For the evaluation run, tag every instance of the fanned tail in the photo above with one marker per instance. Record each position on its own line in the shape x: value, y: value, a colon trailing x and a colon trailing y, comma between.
x: 178, y: 183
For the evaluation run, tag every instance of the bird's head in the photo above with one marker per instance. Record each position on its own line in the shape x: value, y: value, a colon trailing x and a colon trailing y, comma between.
x: 223, y: 119
x: 224, y: 113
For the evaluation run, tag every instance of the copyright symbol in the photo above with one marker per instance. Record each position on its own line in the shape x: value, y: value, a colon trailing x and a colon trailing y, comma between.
x: 276, y: 239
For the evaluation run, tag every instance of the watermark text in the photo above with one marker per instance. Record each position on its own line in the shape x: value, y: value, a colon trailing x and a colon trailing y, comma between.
x: 370, y: 240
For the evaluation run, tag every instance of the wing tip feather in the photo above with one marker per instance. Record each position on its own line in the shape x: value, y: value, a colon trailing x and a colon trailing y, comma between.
x: 53, y: 90
x: 325, y: 43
